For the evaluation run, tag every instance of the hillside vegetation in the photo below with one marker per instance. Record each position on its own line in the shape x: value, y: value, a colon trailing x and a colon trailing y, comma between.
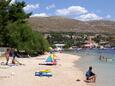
x: 62, y: 24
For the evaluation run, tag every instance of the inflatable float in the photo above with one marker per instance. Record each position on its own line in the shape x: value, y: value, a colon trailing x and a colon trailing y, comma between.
x: 43, y: 74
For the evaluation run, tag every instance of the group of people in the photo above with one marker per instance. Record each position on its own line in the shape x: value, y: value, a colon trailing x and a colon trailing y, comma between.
x: 102, y: 58
x: 10, y: 52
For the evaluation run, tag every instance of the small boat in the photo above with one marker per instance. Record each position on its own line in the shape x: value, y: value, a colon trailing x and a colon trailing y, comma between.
x: 78, y: 49
x: 113, y: 48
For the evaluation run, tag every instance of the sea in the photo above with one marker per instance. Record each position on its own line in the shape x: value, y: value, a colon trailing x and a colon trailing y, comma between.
x: 104, y: 69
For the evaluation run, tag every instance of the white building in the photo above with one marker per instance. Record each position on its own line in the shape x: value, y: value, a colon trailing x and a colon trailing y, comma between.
x: 59, y: 46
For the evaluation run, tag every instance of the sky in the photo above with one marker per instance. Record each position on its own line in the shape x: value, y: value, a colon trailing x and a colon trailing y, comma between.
x: 76, y: 9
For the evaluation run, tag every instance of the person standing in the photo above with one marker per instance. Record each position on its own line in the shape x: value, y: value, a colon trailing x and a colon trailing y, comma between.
x: 7, y: 55
x: 14, y: 54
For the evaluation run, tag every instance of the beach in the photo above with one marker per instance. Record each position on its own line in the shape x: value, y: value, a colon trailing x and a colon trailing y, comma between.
x: 64, y: 73
x: 103, y: 69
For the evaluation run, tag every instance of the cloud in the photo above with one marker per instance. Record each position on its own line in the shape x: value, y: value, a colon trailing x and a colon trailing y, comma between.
x: 80, y: 12
x: 31, y: 7
x: 89, y: 16
x: 12, y: 1
x: 71, y: 10
x: 108, y: 16
x: 40, y: 15
x: 50, y: 6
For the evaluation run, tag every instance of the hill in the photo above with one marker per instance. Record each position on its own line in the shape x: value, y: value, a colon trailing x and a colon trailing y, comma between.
x: 62, y: 24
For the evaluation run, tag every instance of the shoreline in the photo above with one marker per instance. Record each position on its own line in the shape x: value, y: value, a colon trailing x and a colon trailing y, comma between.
x: 64, y: 73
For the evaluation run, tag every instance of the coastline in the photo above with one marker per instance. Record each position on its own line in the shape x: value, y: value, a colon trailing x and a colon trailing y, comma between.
x: 64, y: 73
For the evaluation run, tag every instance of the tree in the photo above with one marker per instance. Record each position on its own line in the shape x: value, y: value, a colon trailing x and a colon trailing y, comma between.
x: 98, y: 38
x: 19, y: 37
x: 3, y: 19
x: 40, y: 42
x: 16, y: 12
x: 10, y: 13
x: 15, y: 31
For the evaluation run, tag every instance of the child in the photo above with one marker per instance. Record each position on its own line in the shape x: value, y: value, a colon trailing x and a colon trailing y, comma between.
x: 90, y: 76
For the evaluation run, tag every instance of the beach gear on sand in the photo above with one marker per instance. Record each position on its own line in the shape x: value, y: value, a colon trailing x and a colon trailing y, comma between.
x: 51, y: 60
x: 46, y: 73
x: 3, y: 65
x: 8, y: 65
x: 53, y: 56
x: 43, y: 74
x: 48, y: 63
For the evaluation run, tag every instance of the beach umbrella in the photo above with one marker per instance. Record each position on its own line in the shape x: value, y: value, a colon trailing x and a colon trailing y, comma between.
x: 50, y: 48
x: 49, y: 59
x: 53, y: 56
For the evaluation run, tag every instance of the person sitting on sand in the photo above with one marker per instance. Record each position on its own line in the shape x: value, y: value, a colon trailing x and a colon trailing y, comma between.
x: 90, y: 76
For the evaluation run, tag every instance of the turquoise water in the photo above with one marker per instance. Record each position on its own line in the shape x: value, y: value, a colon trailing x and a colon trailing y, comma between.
x: 105, y: 71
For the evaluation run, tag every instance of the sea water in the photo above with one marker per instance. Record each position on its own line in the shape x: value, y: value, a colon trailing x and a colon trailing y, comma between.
x: 104, y: 70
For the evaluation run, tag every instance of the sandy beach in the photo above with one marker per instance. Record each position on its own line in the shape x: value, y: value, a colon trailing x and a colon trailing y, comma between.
x: 64, y: 73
